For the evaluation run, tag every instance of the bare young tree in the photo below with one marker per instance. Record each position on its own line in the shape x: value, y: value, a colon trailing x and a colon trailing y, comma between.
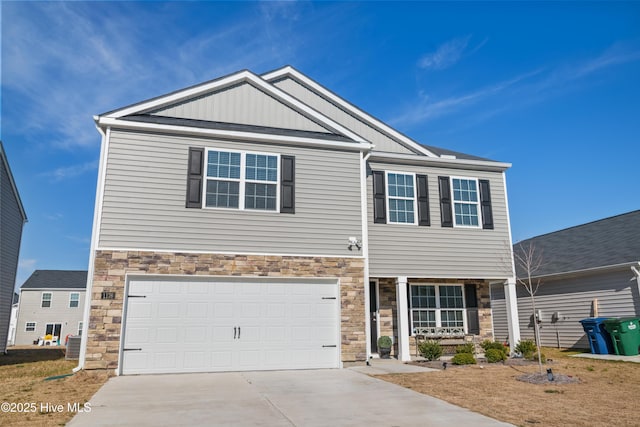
x: 528, y: 260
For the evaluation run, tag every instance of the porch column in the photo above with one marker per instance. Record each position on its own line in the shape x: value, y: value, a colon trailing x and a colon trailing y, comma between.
x: 403, y: 319
x: 511, y: 301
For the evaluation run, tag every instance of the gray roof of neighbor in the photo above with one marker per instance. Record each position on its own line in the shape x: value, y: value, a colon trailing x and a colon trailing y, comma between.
x: 606, y: 242
x: 56, y: 279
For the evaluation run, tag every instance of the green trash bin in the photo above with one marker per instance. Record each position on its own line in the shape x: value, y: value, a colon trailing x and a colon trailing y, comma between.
x: 625, y: 335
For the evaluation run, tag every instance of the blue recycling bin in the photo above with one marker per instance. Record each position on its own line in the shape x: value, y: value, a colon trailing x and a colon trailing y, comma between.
x: 599, y: 338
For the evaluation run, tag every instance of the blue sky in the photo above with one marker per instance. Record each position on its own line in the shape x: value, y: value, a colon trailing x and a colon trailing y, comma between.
x: 553, y: 88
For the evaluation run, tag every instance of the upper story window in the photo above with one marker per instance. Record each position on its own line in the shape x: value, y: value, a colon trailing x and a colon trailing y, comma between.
x: 465, y: 201
x: 239, y: 180
x: 46, y: 299
x: 30, y: 326
x: 74, y: 299
x: 401, y: 198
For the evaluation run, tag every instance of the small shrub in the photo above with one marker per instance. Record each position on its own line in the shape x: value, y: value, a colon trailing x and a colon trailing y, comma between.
x: 384, y: 342
x: 430, y: 350
x: 495, y: 355
x: 526, y: 348
x: 487, y: 345
x: 463, y: 359
x: 542, y: 356
x: 468, y: 348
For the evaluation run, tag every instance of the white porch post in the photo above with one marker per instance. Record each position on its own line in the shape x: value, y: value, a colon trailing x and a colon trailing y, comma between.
x: 403, y: 319
x: 511, y: 300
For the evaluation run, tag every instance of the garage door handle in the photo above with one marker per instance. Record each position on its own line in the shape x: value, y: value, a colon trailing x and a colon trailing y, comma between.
x: 238, y: 332
x: 131, y: 349
x: 325, y: 346
x: 235, y: 331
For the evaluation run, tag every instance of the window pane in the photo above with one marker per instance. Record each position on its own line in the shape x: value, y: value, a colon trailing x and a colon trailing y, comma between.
x: 451, y: 318
x: 222, y: 164
x: 260, y: 196
x: 222, y: 194
x: 423, y: 318
x: 262, y: 168
x: 423, y: 296
x: 451, y: 297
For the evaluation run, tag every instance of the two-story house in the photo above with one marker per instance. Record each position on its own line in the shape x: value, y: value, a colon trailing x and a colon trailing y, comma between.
x: 12, y: 219
x: 51, y: 303
x: 263, y: 222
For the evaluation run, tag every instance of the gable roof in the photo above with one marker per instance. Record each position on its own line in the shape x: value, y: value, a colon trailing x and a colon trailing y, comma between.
x: 5, y: 164
x: 603, y: 243
x: 56, y: 279
x: 231, y: 80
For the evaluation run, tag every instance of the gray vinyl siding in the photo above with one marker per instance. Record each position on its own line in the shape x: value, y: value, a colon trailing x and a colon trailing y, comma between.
x: 30, y: 310
x: 144, y: 201
x: 11, y: 222
x: 383, y: 142
x: 242, y: 104
x: 436, y: 251
x: 499, y: 313
x: 572, y: 298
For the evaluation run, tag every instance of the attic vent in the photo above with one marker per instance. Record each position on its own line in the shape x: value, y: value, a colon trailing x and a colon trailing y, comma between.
x: 447, y: 156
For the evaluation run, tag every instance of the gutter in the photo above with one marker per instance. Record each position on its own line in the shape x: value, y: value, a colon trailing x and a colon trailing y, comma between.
x: 603, y: 268
x: 412, y: 159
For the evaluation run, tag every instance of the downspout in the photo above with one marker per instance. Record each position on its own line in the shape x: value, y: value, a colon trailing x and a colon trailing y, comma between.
x: 510, y: 291
x: 365, y: 249
x: 97, y: 217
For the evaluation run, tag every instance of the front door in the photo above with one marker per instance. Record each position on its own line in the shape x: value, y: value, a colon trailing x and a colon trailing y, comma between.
x: 373, y: 314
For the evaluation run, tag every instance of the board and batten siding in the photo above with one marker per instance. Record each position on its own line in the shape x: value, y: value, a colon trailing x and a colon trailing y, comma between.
x: 244, y: 104
x: 382, y: 142
x: 435, y: 251
x: 572, y: 298
x: 30, y: 310
x: 11, y: 222
x: 144, y: 201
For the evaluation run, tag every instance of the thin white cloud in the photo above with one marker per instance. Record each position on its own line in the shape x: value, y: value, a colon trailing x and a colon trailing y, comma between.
x: 27, y: 264
x: 448, y: 53
x: 525, y: 89
x: 63, y: 173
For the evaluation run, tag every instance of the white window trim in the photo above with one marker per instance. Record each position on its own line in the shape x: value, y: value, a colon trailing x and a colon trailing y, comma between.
x: 50, y: 299
x: 415, y: 197
x: 70, y: 299
x: 35, y: 326
x: 439, y: 309
x: 477, y: 203
x: 242, y: 180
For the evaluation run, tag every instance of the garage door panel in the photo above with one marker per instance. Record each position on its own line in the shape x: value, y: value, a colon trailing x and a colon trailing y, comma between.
x: 184, y: 326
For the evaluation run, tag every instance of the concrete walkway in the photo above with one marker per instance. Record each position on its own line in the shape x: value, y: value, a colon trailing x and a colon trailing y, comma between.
x: 331, y: 397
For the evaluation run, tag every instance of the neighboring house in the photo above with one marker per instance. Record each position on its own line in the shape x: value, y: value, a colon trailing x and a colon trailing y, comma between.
x: 588, y: 270
x: 12, y: 219
x: 13, y: 322
x: 263, y: 222
x: 51, y: 303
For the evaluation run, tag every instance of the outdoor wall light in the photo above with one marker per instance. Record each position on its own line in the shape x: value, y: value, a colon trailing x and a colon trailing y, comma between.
x: 353, y: 241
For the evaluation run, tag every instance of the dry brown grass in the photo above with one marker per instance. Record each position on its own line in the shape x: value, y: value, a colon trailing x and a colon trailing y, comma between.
x: 607, y: 394
x: 22, y: 378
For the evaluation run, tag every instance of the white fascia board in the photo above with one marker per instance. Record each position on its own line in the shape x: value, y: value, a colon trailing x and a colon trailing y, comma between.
x: 372, y: 121
x: 240, y: 77
x: 410, y: 159
x: 234, y: 135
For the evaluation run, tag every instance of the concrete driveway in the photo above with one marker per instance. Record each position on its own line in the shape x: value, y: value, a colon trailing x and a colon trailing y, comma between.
x: 332, y: 397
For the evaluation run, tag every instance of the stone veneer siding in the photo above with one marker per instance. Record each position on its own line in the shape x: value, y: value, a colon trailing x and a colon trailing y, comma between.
x: 388, y: 308
x: 110, y: 268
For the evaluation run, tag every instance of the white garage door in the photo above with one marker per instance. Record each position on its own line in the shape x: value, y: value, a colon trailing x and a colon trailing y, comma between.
x: 196, y: 326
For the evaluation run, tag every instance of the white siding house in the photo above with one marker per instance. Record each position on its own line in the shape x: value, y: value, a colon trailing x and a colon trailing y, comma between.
x: 51, y: 303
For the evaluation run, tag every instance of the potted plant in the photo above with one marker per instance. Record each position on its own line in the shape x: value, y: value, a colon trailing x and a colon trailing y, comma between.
x: 384, y: 347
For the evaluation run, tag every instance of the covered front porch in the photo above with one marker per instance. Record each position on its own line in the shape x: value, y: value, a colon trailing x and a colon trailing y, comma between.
x: 409, y: 310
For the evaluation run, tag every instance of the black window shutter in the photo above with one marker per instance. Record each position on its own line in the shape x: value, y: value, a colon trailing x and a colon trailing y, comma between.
x: 446, y: 215
x: 471, y: 300
x: 409, y: 316
x: 194, y: 177
x: 287, y: 184
x: 485, y: 204
x: 423, y: 200
x: 379, y: 195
